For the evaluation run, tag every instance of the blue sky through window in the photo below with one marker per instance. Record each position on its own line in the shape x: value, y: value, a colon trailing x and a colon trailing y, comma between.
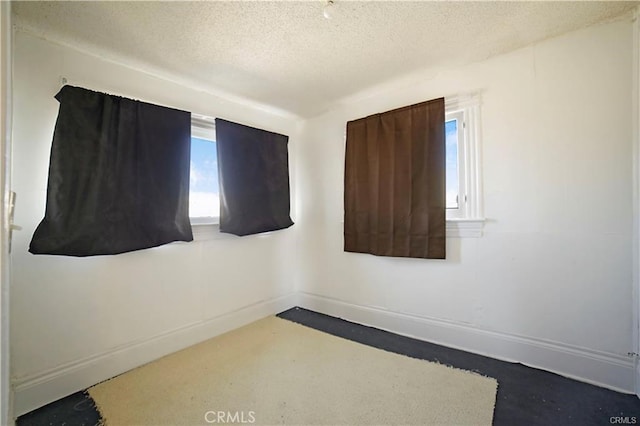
x: 451, y: 134
x: 204, y: 198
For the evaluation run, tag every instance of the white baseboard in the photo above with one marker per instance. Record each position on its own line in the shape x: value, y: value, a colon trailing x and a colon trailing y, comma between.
x: 40, y: 389
x: 603, y: 369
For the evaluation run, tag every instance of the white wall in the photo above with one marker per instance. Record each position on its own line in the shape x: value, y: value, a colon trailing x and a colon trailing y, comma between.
x: 6, y: 414
x: 636, y: 192
x: 77, y: 321
x: 550, y: 282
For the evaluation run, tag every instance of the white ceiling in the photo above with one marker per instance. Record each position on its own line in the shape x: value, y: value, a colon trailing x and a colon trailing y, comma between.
x: 286, y: 55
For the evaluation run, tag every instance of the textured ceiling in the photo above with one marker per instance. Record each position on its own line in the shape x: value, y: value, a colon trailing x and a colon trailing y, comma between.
x: 286, y: 55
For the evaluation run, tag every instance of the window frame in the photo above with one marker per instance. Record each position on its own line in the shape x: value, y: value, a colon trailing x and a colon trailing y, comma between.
x: 458, y: 212
x: 208, y: 228
x: 467, y: 220
x: 203, y: 127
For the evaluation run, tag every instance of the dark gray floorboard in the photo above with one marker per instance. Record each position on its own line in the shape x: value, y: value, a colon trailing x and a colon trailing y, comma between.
x: 526, y: 396
x: 74, y: 410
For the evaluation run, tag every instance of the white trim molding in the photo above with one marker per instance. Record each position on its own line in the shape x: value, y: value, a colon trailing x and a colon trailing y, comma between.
x: 206, y: 231
x: 636, y: 194
x: 465, y: 228
x: 467, y: 110
x: 6, y: 108
x: 608, y: 370
x: 203, y: 127
x: 34, y: 391
x: 603, y: 369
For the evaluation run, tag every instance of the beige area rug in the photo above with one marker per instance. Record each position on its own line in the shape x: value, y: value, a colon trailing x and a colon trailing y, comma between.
x: 274, y: 371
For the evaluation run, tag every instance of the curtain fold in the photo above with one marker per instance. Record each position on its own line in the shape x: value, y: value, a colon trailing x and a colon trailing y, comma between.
x: 253, y: 169
x: 394, y: 190
x: 118, y: 176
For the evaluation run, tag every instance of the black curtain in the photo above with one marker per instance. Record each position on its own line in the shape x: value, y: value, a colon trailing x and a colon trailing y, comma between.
x: 253, y: 168
x: 118, y: 176
x: 394, y: 185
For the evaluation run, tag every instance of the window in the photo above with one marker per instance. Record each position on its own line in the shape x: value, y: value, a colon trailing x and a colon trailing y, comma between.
x: 464, y: 198
x: 454, y: 127
x: 204, y: 200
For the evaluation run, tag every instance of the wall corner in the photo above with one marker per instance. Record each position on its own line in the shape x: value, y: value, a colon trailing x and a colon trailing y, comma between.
x: 636, y: 192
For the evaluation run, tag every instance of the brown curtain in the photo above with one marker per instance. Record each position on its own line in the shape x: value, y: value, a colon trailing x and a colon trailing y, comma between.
x: 394, y: 191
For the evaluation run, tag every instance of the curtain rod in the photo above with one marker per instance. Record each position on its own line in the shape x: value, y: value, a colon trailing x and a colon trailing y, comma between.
x: 201, y: 118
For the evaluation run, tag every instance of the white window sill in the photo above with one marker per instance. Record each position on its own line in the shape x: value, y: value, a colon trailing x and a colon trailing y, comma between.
x: 211, y: 231
x: 456, y: 228
x: 465, y: 228
x: 207, y: 231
